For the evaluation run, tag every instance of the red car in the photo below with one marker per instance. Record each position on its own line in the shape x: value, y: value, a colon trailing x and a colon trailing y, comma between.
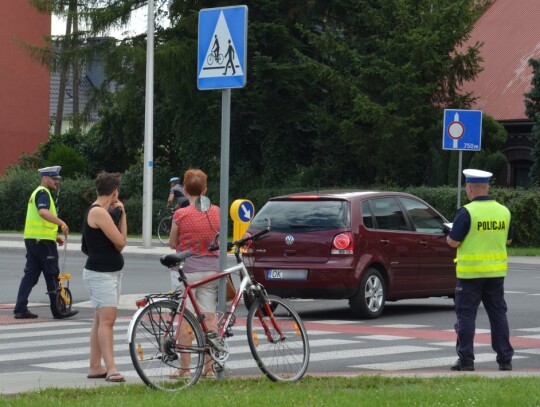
x: 364, y: 246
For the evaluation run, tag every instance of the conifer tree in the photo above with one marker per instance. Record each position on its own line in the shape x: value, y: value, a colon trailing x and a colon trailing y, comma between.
x: 532, y: 110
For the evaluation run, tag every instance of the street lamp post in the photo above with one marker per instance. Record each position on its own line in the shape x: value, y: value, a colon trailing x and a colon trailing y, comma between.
x: 148, y: 131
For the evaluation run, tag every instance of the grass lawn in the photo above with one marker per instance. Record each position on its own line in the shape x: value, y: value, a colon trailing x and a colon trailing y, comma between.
x: 320, y: 391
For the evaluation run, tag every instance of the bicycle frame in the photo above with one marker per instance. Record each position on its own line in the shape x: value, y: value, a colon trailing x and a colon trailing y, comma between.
x: 245, y: 282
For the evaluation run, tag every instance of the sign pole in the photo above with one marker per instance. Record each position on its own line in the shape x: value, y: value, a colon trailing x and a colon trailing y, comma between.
x: 459, y: 179
x: 223, y: 201
x: 224, y: 192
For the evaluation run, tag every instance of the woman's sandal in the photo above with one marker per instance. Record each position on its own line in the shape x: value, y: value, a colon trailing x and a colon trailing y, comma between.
x: 97, y: 376
x: 115, y: 378
x: 209, y: 374
x: 180, y: 374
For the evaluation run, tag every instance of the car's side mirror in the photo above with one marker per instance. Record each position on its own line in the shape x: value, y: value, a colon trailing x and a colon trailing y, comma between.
x: 447, y: 227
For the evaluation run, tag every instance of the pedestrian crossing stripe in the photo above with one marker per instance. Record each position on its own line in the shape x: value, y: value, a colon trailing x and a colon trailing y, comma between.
x: 222, y: 48
x: 426, y: 363
x: 68, y: 348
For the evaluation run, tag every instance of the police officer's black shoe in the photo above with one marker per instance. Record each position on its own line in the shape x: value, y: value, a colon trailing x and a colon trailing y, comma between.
x: 460, y: 367
x: 505, y: 366
x: 24, y: 315
x: 68, y: 315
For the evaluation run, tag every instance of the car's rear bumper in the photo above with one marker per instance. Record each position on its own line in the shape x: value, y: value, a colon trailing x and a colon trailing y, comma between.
x: 320, y: 280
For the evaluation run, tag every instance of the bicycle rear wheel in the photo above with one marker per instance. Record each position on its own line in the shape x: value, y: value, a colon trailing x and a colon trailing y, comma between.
x: 164, y: 229
x: 63, y: 305
x: 161, y: 362
x: 281, y: 358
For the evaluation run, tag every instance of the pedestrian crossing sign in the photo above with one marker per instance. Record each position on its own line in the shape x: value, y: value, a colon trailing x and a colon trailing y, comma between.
x: 222, y: 48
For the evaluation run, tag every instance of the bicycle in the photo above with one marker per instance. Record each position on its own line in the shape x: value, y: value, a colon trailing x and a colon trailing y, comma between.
x: 213, y: 56
x: 64, y: 299
x: 163, y: 334
x: 164, y: 225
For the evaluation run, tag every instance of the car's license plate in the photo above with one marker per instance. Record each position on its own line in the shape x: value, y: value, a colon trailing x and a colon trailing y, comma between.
x: 286, y: 274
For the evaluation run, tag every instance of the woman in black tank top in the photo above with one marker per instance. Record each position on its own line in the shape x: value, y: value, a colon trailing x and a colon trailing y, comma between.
x: 104, y: 238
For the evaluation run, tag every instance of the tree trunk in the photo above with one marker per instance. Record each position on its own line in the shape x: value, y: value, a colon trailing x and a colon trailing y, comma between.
x: 63, y: 74
x: 76, y: 73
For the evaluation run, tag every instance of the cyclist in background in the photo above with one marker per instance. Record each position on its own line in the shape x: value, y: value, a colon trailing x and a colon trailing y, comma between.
x: 177, y: 194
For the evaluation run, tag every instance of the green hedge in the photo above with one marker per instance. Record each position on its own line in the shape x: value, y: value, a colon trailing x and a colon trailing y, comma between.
x: 77, y: 194
x: 74, y: 197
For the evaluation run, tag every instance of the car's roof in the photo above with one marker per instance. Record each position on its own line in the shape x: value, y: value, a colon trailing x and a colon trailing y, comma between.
x: 346, y: 194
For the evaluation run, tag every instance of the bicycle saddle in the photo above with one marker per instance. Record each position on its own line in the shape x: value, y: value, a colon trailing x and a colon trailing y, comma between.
x: 170, y: 260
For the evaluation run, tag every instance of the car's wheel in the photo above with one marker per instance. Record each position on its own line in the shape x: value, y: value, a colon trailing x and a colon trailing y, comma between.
x: 368, y: 302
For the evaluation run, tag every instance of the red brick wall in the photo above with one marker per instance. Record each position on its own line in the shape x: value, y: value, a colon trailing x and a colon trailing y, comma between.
x: 24, y: 83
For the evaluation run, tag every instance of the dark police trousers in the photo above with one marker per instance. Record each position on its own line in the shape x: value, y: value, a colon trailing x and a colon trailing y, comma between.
x: 41, y: 256
x: 469, y: 293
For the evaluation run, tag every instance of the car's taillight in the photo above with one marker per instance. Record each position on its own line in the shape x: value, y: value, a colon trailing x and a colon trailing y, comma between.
x: 343, y: 244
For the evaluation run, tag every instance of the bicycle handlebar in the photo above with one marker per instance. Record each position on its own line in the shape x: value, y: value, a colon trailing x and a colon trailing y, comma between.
x: 242, y: 242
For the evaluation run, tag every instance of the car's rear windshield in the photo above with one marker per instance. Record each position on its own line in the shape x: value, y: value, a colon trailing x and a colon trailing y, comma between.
x: 304, y: 215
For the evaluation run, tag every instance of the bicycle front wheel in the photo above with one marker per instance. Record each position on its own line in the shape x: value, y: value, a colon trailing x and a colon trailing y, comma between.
x: 160, y: 361
x: 164, y: 230
x: 281, y: 357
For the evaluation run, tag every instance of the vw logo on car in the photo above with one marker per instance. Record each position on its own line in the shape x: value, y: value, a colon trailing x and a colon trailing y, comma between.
x: 289, y: 240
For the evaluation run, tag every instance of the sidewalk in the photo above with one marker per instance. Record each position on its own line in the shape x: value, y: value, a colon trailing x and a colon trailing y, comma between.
x: 15, y: 241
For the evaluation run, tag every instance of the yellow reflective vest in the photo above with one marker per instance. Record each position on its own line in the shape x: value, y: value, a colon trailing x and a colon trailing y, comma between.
x: 35, y: 226
x: 483, y: 251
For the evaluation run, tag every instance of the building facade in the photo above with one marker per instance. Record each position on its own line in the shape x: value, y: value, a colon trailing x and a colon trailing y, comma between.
x: 509, y: 34
x: 24, y: 83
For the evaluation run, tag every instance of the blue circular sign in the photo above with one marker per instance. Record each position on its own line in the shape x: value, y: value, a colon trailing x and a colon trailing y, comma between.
x: 246, y: 211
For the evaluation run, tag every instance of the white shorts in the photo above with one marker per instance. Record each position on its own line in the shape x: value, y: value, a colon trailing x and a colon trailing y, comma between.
x: 206, y: 295
x: 103, y: 287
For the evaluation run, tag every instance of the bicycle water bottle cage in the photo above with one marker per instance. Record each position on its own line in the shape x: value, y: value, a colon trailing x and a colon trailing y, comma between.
x: 170, y: 260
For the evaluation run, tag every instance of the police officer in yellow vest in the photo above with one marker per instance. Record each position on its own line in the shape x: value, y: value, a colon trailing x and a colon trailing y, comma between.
x: 40, y: 239
x: 481, y: 231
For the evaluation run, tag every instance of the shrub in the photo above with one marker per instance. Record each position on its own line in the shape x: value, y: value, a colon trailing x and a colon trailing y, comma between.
x: 72, y: 163
x: 76, y: 194
x: 15, y: 190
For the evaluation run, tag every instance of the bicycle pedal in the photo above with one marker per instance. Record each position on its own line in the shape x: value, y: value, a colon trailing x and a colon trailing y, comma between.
x: 228, y: 334
x: 218, y: 368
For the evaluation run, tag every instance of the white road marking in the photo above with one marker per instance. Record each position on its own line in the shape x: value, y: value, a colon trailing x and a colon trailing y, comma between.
x: 424, y: 363
x: 58, y: 332
x: 453, y: 344
x: 383, y: 337
x: 235, y: 351
x: 534, y: 351
x: 528, y: 329
x: 336, y: 322
x: 410, y: 326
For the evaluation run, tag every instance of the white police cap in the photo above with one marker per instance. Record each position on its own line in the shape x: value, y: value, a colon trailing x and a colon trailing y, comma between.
x: 477, y: 176
x: 53, y: 172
